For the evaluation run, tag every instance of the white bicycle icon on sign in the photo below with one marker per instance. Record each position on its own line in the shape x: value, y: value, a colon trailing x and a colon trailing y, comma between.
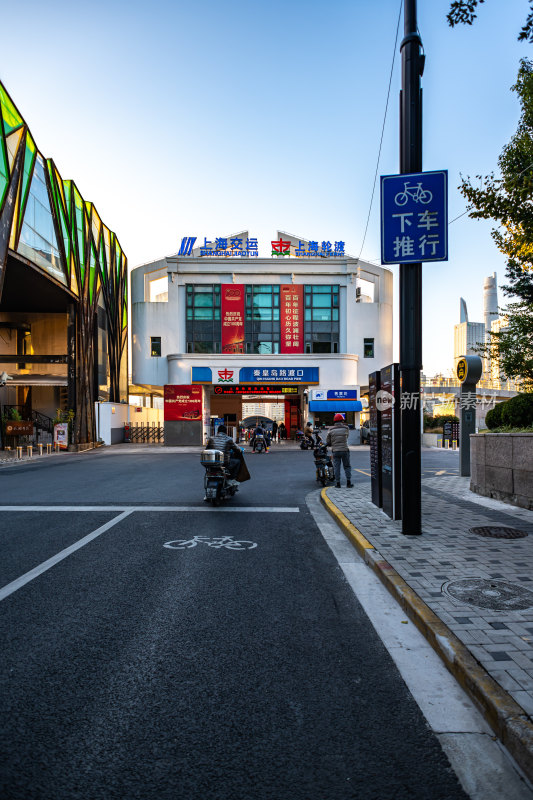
x: 217, y: 542
x: 416, y: 193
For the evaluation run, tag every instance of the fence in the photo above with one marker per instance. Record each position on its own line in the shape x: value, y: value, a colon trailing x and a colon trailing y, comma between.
x: 144, y: 433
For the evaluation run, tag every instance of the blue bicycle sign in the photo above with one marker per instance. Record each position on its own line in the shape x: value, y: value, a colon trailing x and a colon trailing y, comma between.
x: 417, y: 193
x: 414, y: 217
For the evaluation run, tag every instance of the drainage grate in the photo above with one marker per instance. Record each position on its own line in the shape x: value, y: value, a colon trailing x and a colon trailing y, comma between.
x: 494, y: 532
x: 494, y: 595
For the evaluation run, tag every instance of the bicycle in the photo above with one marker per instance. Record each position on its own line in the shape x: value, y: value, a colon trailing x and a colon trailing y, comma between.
x: 417, y: 193
x: 217, y: 542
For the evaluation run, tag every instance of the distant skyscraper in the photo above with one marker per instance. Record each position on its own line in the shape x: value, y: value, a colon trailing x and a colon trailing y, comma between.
x: 469, y: 335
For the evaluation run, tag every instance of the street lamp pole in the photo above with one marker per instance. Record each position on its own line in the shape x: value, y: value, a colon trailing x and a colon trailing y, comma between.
x: 411, y: 279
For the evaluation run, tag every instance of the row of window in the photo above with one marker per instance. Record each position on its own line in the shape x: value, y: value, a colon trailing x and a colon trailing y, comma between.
x: 263, y: 347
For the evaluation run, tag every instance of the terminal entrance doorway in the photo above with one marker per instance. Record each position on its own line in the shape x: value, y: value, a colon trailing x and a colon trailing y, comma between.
x: 281, y: 404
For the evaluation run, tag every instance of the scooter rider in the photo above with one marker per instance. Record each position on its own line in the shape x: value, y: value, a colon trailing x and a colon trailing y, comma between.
x: 232, y: 454
x: 259, y: 431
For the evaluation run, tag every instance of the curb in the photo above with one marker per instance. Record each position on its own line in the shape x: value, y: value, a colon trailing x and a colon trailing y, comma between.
x: 507, y: 719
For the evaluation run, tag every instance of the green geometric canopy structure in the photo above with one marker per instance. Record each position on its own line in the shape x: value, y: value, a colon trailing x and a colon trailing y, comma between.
x: 45, y: 219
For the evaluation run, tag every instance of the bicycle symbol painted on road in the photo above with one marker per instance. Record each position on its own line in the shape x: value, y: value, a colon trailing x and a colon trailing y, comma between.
x: 416, y: 193
x: 228, y: 542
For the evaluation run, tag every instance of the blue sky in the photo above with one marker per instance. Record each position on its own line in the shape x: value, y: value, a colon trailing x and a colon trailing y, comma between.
x: 205, y: 118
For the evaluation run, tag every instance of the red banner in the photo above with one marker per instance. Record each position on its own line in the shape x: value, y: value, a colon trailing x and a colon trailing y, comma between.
x: 292, y: 318
x: 232, y: 305
x: 183, y: 403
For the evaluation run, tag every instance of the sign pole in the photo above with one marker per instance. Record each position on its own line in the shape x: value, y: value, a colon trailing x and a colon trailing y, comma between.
x: 411, y: 279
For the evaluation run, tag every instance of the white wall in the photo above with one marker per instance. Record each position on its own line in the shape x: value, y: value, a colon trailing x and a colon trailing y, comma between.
x: 110, y: 419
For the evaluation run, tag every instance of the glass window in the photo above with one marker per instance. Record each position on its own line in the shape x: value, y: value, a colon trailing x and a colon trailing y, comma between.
x: 203, y: 313
x: 321, y: 314
x: 368, y: 348
x: 155, y: 346
x: 203, y: 300
x: 321, y: 300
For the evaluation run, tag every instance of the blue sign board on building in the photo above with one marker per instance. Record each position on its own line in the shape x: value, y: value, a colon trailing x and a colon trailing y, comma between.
x: 414, y: 217
x: 279, y: 374
x: 342, y: 394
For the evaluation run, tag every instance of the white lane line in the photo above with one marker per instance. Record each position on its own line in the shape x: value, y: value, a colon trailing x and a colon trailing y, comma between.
x: 36, y: 571
x: 241, y: 509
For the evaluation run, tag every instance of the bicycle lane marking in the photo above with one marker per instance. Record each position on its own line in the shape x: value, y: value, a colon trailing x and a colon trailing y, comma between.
x: 18, y: 583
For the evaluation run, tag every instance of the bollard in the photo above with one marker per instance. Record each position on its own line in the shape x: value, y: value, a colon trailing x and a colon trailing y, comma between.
x: 19, y: 452
x: 48, y: 449
x: 454, y: 444
x: 40, y: 449
x: 447, y: 445
x: 30, y: 451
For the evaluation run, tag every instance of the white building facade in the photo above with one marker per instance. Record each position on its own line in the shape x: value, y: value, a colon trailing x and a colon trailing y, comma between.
x: 301, y: 328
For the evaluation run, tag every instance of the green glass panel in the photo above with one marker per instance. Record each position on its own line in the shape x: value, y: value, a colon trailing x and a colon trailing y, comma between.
x: 29, y: 162
x: 321, y: 289
x: 118, y: 255
x: 4, y: 168
x: 67, y: 186
x: 103, y: 270
x: 92, y: 272
x: 11, y: 117
x: 79, y: 233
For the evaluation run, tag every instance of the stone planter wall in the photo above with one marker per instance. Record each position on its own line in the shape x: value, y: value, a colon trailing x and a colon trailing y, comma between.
x: 502, y: 467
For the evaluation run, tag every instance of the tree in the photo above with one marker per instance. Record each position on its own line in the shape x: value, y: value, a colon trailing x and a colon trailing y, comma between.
x: 463, y: 12
x: 509, y: 200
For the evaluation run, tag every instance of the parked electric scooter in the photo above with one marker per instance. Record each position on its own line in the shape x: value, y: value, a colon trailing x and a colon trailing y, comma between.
x: 218, y: 484
x: 324, y: 465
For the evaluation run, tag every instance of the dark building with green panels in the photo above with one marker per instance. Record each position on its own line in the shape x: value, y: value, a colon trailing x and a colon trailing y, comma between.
x: 63, y: 285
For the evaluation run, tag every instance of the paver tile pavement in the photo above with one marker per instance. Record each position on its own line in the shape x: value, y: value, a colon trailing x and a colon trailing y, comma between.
x: 502, y: 641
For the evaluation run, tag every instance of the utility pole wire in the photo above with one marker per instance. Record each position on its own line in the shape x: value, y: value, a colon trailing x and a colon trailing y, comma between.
x: 382, y: 129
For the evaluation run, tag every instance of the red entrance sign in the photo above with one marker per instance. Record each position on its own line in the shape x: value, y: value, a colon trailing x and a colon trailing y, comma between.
x: 255, y: 389
x: 184, y: 402
x: 291, y: 317
x: 232, y: 308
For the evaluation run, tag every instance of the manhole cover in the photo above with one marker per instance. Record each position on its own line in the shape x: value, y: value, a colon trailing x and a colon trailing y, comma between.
x: 494, y: 595
x: 494, y: 532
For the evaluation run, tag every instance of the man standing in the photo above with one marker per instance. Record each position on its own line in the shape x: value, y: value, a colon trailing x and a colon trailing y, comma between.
x: 338, y: 441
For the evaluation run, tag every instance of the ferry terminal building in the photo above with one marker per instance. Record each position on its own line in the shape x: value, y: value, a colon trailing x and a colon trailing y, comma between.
x: 298, y: 332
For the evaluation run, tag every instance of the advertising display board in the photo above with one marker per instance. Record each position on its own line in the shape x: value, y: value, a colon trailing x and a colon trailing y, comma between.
x: 388, y: 400
x: 291, y: 318
x: 61, y: 435
x: 374, y: 386
x: 232, y: 314
x: 183, y: 403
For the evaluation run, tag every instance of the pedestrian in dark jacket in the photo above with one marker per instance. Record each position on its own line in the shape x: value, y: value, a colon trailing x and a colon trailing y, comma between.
x: 338, y: 441
x: 274, y: 431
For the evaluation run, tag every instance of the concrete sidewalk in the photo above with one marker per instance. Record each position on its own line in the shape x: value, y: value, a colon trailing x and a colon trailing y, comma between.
x: 471, y: 596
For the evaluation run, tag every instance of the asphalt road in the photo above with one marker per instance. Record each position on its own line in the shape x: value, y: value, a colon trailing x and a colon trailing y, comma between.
x: 135, y: 670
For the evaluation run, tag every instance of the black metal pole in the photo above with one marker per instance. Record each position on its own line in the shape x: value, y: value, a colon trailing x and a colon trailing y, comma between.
x: 411, y: 279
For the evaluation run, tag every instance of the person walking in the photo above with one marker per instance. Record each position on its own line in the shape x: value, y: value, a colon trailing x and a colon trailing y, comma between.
x: 274, y: 431
x: 337, y: 439
x: 282, y: 431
